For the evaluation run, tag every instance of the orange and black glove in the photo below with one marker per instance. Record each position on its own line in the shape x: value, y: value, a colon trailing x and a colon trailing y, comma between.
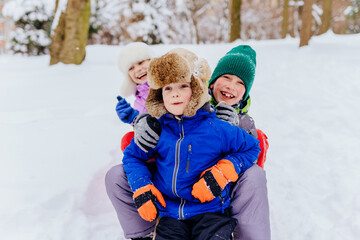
x: 214, y: 180
x: 145, y: 198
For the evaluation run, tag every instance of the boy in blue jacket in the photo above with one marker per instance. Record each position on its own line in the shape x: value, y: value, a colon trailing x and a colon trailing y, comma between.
x: 197, y: 156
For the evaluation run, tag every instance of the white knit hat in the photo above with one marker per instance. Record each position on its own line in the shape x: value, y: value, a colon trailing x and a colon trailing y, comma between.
x: 130, y: 54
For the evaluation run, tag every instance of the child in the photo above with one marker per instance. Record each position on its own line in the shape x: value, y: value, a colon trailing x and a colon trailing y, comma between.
x: 230, y: 84
x: 197, y: 155
x: 133, y: 62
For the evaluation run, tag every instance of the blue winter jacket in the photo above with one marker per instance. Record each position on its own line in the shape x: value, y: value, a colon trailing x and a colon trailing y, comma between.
x: 186, y: 148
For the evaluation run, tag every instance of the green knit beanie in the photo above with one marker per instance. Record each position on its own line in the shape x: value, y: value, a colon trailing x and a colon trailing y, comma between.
x: 239, y: 61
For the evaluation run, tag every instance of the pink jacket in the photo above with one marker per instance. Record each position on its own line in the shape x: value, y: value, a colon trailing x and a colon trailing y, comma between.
x: 142, y: 91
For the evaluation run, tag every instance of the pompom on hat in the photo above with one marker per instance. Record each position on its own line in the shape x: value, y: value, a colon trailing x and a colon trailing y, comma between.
x: 239, y: 61
x: 130, y: 54
x: 178, y: 65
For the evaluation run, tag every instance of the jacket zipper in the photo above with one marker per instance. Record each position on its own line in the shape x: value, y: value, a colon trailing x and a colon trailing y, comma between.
x: 181, y: 209
x: 176, y: 168
x: 188, y: 159
x: 223, y: 201
x: 222, y: 204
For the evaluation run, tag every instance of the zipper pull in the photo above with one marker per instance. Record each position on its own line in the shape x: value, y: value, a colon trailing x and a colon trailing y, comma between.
x: 179, y: 124
x: 188, y: 159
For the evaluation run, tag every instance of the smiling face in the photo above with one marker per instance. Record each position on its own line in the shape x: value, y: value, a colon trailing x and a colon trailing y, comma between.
x: 176, y: 97
x: 138, y: 71
x: 228, y: 88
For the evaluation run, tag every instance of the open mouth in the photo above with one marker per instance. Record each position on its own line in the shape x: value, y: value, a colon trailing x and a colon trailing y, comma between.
x: 228, y: 95
x: 141, y: 76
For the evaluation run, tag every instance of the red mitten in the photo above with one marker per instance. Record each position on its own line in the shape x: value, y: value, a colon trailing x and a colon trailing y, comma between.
x: 264, y: 145
x: 145, y: 198
x: 213, y: 181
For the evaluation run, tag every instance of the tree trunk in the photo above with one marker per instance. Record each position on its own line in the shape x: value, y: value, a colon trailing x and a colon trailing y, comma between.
x: 235, y: 20
x: 306, y: 22
x: 285, y: 20
x: 56, y: 4
x: 325, y: 17
x: 196, y: 31
x: 70, y: 35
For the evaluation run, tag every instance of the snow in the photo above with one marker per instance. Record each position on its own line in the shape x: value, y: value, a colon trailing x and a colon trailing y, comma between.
x: 60, y: 134
x: 18, y: 8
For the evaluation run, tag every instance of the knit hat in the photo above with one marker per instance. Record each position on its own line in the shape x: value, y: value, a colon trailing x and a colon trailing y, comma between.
x: 178, y: 65
x: 130, y: 54
x: 239, y: 61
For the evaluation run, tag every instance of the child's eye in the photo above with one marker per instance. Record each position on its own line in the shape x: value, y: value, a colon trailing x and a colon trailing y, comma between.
x: 241, y: 83
x: 167, y: 88
x: 185, y: 86
x: 131, y: 68
x: 141, y: 62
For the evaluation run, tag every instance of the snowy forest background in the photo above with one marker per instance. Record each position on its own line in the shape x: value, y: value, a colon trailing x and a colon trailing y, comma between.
x: 114, y: 22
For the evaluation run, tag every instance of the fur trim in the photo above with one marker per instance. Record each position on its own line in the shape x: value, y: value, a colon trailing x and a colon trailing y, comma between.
x: 199, y: 66
x: 154, y: 103
x: 179, y: 65
x: 170, y: 68
x: 130, y: 54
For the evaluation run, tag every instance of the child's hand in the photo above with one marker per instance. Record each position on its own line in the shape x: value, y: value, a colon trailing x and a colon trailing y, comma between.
x: 124, y: 111
x: 145, y: 198
x: 214, y: 180
x: 147, y: 131
x: 227, y: 114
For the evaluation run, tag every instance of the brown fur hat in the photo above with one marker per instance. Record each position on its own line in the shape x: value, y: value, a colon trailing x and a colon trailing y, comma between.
x: 178, y: 65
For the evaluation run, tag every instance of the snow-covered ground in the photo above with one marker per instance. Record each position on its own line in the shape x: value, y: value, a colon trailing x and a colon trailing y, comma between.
x: 59, y: 134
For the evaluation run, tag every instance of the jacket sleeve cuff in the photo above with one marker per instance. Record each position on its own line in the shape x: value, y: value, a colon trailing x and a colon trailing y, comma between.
x: 141, y: 182
x: 240, y: 165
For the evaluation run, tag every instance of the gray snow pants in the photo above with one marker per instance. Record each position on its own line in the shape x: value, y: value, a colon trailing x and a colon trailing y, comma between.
x: 249, y: 205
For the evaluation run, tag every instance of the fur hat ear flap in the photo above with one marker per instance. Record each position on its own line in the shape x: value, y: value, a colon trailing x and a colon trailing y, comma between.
x: 198, y: 98
x: 202, y: 70
x: 155, y: 104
